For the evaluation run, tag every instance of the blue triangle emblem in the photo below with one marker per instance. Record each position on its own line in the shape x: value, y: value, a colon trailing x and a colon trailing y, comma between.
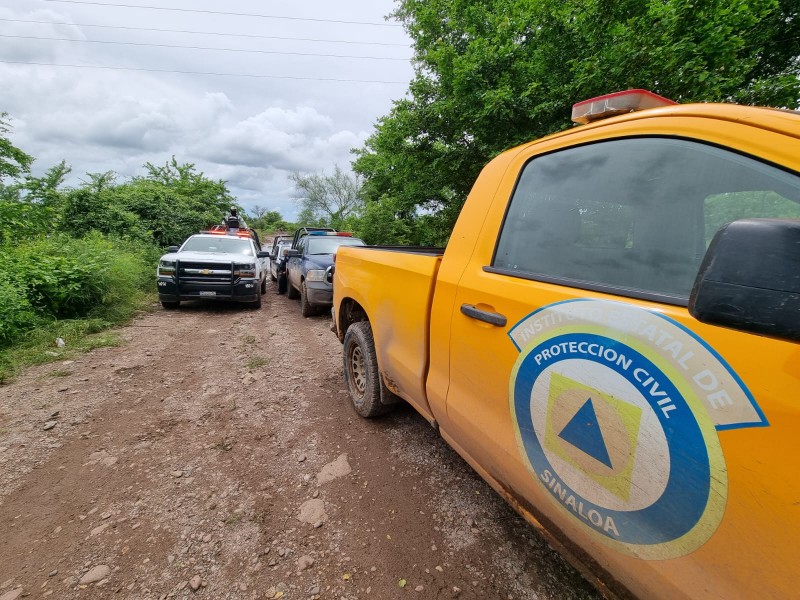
x: 583, y: 432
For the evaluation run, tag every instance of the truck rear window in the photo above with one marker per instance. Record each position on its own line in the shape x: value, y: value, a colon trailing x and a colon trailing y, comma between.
x: 634, y: 215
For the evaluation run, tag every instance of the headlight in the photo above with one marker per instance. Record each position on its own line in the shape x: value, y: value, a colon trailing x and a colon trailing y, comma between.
x: 244, y: 270
x: 166, y: 268
x: 315, y: 275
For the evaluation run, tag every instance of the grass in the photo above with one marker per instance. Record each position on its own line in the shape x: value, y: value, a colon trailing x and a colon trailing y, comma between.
x: 256, y: 362
x: 234, y: 518
x: 60, y: 373
x: 81, y: 335
x: 260, y: 518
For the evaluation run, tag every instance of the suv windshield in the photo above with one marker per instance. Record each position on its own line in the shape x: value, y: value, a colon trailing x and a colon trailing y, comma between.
x: 218, y: 244
x: 328, y: 245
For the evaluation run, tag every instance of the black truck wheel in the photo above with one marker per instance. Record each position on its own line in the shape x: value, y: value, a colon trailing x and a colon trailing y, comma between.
x: 291, y: 291
x: 305, y: 308
x: 361, y: 375
x: 264, y: 285
x: 257, y: 302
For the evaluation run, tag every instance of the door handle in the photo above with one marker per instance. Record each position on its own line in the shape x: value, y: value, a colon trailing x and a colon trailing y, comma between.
x: 493, y: 318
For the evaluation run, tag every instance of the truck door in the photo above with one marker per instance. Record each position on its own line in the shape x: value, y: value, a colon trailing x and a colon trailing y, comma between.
x: 581, y: 385
x: 295, y: 263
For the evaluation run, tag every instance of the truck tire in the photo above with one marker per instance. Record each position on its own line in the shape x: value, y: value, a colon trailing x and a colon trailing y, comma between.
x: 170, y: 304
x: 264, y: 285
x: 291, y: 291
x: 361, y: 374
x: 257, y: 302
x: 305, y: 308
x: 272, y: 277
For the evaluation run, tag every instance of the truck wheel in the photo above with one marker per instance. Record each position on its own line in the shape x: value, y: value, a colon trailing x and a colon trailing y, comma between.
x: 272, y: 277
x: 257, y: 302
x: 291, y: 292
x: 361, y: 375
x: 305, y: 308
x: 170, y: 304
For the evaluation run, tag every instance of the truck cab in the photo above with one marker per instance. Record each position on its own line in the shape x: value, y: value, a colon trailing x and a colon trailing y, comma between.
x: 610, y: 339
x: 308, y: 268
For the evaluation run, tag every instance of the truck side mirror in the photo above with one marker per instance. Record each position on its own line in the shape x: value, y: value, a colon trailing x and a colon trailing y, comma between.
x: 750, y: 279
x: 264, y: 254
x: 173, y: 249
x: 293, y: 252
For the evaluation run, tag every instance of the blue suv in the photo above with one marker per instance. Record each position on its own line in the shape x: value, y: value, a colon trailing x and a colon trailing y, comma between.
x: 309, y: 265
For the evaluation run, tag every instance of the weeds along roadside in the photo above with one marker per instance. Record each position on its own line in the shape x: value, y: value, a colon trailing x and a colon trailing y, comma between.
x: 74, y: 289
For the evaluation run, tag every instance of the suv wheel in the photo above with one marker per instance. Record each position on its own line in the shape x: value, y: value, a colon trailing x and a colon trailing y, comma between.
x: 291, y: 291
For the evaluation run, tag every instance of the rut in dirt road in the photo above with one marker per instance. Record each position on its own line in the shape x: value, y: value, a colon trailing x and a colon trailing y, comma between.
x: 215, y: 454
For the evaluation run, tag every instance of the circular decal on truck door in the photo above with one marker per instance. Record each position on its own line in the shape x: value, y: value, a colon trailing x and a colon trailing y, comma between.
x: 611, y: 404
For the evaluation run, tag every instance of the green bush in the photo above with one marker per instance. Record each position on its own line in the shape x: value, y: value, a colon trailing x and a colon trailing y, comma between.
x: 75, y: 289
x: 64, y: 277
x: 16, y: 313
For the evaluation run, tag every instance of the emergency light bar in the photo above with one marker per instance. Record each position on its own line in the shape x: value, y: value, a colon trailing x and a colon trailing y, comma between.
x: 333, y: 233
x: 223, y: 230
x: 618, y: 103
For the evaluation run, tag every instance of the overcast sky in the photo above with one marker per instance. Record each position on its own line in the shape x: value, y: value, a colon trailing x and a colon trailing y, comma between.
x: 294, y: 112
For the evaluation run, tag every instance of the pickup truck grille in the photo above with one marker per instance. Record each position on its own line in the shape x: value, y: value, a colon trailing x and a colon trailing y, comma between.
x: 204, y: 272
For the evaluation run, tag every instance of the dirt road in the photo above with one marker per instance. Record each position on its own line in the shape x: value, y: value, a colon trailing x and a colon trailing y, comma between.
x: 215, y: 454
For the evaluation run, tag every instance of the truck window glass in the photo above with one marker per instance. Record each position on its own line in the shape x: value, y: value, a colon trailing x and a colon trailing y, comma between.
x: 634, y: 215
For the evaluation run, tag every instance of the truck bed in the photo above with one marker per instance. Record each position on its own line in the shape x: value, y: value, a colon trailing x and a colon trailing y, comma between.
x: 398, y: 282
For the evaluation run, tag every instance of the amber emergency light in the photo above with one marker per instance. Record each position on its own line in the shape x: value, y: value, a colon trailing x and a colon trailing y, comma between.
x: 617, y: 103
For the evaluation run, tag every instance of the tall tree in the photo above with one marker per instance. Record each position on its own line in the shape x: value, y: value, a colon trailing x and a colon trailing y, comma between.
x: 492, y: 75
x: 328, y: 199
x: 14, y: 162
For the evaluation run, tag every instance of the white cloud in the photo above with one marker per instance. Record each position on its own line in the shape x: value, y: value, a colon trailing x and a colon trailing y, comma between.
x: 251, y: 132
x: 299, y: 139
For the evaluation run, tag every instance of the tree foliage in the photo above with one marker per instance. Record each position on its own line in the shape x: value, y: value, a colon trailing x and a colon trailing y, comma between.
x: 490, y: 76
x: 327, y: 199
x: 267, y: 220
x: 13, y: 161
x: 164, y: 206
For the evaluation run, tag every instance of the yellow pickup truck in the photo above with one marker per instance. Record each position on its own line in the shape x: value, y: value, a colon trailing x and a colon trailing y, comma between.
x: 610, y: 339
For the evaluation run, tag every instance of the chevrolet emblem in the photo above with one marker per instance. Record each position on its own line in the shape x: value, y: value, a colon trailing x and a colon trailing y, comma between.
x: 206, y: 271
